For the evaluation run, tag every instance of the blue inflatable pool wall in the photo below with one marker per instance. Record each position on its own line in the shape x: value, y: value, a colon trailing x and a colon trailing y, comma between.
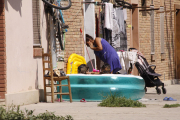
x: 94, y: 87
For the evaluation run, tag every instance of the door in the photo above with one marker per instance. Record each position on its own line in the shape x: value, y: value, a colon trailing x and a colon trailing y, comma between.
x: 177, y: 41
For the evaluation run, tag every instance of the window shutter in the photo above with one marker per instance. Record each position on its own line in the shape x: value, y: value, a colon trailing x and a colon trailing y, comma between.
x: 162, y: 29
x: 36, y: 22
x: 152, y: 30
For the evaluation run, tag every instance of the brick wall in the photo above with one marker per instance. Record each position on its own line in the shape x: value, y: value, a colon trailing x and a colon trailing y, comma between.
x: 2, y: 52
x: 73, y: 38
x: 75, y: 19
x: 165, y: 67
x: 74, y: 43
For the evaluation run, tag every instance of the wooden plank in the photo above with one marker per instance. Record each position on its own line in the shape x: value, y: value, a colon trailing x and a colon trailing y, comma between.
x: 2, y: 95
x: 69, y: 87
x: 47, y: 69
x: 2, y: 89
x: 46, y: 54
x: 2, y: 81
x: 2, y: 45
x: 47, y: 61
x: 56, y: 93
x: 2, y: 65
x: 3, y: 69
x: 178, y: 45
x: 2, y: 76
x: 2, y: 85
x: 2, y: 53
x: 47, y: 85
x: 2, y: 37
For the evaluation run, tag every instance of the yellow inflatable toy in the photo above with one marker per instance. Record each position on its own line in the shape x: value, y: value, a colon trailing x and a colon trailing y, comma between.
x: 74, y: 61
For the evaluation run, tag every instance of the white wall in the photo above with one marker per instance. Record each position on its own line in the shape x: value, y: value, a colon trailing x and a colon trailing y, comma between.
x: 89, y: 25
x: 24, y: 73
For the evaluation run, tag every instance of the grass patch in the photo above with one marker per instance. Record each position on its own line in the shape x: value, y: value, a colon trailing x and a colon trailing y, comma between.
x: 14, y: 113
x: 114, y: 100
x: 171, y: 106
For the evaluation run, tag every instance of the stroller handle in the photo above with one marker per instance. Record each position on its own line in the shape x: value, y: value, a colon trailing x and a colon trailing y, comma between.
x: 132, y: 49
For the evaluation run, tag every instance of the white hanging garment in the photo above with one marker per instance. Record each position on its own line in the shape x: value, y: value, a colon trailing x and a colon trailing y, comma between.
x: 108, y: 20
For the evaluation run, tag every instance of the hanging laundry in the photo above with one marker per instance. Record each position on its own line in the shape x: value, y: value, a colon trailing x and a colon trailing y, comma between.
x: 97, y: 25
x: 125, y: 14
x: 108, y: 22
x: 119, y: 36
x: 123, y: 38
x: 108, y: 35
x: 117, y: 27
x: 120, y: 18
x: 100, y: 23
x: 126, y: 59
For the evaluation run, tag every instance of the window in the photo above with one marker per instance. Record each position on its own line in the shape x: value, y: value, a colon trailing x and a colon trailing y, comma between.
x: 36, y: 23
x: 152, y: 29
x: 162, y: 29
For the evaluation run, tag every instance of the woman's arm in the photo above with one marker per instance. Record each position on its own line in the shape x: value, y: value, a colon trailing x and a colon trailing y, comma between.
x: 98, y: 44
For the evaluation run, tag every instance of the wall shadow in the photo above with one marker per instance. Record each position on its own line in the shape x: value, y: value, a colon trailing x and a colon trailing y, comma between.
x: 15, y: 4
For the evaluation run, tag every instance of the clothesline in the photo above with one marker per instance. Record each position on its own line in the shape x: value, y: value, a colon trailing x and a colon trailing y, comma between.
x: 115, y: 5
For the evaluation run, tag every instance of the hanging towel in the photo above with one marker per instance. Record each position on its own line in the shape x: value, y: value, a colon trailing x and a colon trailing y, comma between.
x: 120, y: 18
x: 121, y: 54
x: 115, y: 31
x: 108, y: 23
x: 125, y: 14
x: 126, y: 58
x: 123, y: 38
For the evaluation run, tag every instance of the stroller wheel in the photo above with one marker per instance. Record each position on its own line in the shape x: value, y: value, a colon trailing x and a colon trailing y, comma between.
x: 158, y: 91
x: 164, y: 90
x: 145, y: 89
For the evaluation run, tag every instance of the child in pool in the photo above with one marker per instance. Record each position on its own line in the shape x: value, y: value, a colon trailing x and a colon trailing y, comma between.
x: 83, y: 69
x: 106, y: 69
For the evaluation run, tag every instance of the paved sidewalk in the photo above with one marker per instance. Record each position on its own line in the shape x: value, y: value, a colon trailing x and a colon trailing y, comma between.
x: 90, y: 111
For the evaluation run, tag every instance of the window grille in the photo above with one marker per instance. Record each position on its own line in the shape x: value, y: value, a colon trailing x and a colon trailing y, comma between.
x: 152, y: 30
x: 162, y: 29
x: 36, y: 22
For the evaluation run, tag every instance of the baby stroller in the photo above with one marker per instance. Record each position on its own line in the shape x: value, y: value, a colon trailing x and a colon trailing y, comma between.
x: 148, y: 74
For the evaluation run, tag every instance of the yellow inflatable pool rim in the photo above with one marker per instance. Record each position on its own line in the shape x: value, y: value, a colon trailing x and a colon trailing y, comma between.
x: 74, y: 61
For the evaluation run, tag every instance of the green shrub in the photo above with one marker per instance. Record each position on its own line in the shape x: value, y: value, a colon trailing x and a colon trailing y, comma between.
x: 14, y: 113
x: 114, y: 100
x: 170, y: 106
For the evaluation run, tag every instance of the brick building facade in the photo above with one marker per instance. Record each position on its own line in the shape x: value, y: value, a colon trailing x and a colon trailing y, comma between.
x: 2, y: 52
x: 164, y: 60
x: 154, y: 34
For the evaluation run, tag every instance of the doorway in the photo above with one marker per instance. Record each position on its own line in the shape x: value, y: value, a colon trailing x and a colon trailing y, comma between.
x: 89, y: 27
x: 177, y: 41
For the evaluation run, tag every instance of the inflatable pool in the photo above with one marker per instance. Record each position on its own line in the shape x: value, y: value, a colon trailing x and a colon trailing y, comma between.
x: 74, y: 61
x: 94, y: 87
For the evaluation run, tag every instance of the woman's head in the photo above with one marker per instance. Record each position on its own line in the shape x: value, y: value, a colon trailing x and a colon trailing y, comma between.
x: 89, y: 39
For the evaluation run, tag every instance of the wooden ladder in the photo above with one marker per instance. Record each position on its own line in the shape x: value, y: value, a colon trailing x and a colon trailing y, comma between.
x: 47, y: 66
